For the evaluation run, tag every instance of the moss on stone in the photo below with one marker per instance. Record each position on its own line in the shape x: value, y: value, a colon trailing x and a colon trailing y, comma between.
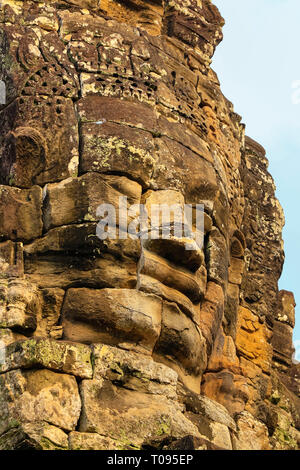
x: 164, y: 426
x: 285, y: 439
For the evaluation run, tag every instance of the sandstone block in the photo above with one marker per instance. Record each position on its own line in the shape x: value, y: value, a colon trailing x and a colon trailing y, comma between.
x: 282, y: 343
x: 20, y: 213
x: 217, y: 258
x: 19, y: 304
x: 116, y: 148
x: 228, y: 389
x: 134, y: 371
x: 172, y: 276
x: 287, y: 312
x: 76, y: 200
x: 11, y: 259
x: 251, y: 434
x: 34, y: 436
x: 252, y: 339
x: 60, y: 356
x: 216, y: 433
x: 153, y: 286
x: 90, y: 441
x: 181, y: 345
x: 130, y: 417
x: 205, y: 407
x: 115, y: 316
x: 211, y: 312
x: 224, y: 355
x: 38, y: 395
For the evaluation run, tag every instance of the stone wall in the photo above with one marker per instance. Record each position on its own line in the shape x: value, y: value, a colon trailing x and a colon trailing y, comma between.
x: 126, y: 344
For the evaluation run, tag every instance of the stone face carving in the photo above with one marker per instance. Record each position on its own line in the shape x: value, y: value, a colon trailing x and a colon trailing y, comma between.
x: 106, y: 100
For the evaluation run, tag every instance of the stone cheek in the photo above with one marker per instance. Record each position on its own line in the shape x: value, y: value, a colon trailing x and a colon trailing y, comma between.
x: 109, y: 343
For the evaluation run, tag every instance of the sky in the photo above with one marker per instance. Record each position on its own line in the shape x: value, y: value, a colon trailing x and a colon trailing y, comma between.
x: 258, y: 65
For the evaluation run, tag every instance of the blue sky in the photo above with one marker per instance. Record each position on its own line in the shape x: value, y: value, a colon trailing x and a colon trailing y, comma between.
x: 258, y: 64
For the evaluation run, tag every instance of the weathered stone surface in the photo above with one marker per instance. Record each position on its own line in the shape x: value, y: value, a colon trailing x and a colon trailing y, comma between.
x: 130, y: 417
x: 287, y: 313
x: 70, y: 358
x: 38, y: 395
x: 173, y: 276
x: 259, y: 389
x: 89, y: 261
x: 34, y: 436
x: 36, y: 153
x: 19, y: 304
x: 20, y: 213
x: 181, y: 346
x: 93, y: 271
x: 211, y: 312
x: 231, y: 390
x: 116, y: 148
x: 211, y: 419
x: 252, y: 340
x: 282, y: 339
x: 223, y: 355
x: 282, y: 342
x: 76, y: 200
x: 262, y: 226
x: 286, y: 436
x: 11, y: 259
x: 168, y: 345
x: 133, y: 371
x: 292, y: 379
x: 192, y: 443
x: 285, y: 399
x: 217, y: 258
x: 114, y: 316
x: 153, y: 286
x: 235, y: 271
x: 231, y: 310
x: 90, y: 441
x: 205, y: 407
x: 216, y: 433
x: 7, y: 336
x: 48, y: 319
x: 251, y: 434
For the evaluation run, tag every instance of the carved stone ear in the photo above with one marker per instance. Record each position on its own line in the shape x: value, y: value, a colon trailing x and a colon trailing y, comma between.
x: 238, y: 245
x: 30, y: 151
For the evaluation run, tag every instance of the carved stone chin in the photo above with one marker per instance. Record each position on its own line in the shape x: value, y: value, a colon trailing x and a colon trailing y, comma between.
x: 132, y: 342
